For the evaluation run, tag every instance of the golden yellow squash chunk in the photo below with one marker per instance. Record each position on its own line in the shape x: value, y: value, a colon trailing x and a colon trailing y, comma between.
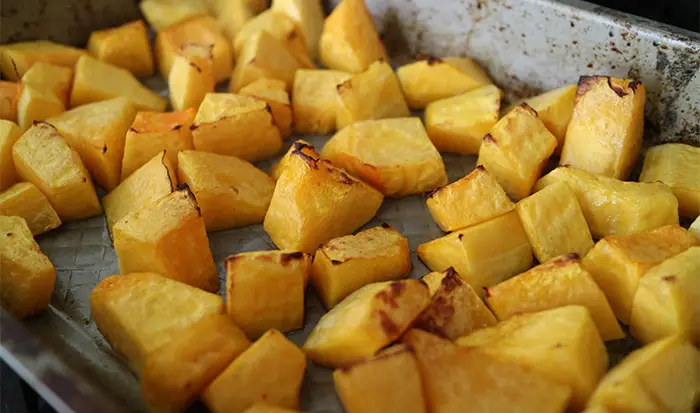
x: 308, y: 14
x: 455, y: 308
x: 605, y: 133
x: 660, y: 377
x: 271, y: 370
x: 315, y: 100
x: 667, y: 301
x: 372, y: 94
x: 263, y: 56
x: 97, y: 132
x: 231, y: 16
x: 51, y: 79
x: 484, y: 254
x: 345, y: 264
x: 454, y: 377
x: 9, y: 95
x: 556, y: 283
x: 393, y: 155
x: 139, y: 313
x: 458, y: 124
x: 433, y: 78
x: 36, y: 105
x: 42, y: 157
x: 17, y: 58
x: 694, y: 229
x: 165, y: 13
x: 167, y: 237
x: 154, y: 180
x: 561, y: 344
x: 96, y: 80
x: 126, y: 46
x: 274, y: 93
x: 386, y: 383
x: 365, y: 322
x: 315, y: 202
x: 26, y: 201
x: 474, y: 199
x: 265, y: 290
x: 614, y: 207
x: 300, y: 146
x: 27, y: 277
x: 678, y: 166
x: 516, y: 151
x: 618, y: 262
x: 155, y: 132
x: 349, y: 41
x: 175, y: 375
x: 191, y: 76
x: 9, y: 134
x: 268, y: 408
x: 236, y: 125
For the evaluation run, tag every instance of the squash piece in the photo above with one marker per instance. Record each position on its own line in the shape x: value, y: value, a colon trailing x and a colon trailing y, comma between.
x: 9, y: 134
x: 17, y: 58
x: 308, y: 14
x: 315, y: 100
x: 126, y: 46
x: 300, y: 146
x: 37, y: 105
x: 231, y: 16
x: 25, y: 200
x: 268, y: 408
x: 274, y: 93
x: 694, y: 229
x: 191, y: 76
x: 50, y: 79
x: 262, y: 56
x: 9, y: 97
x: 162, y: 14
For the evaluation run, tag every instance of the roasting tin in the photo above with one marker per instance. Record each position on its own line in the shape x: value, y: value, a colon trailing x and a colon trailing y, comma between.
x: 526, y: 45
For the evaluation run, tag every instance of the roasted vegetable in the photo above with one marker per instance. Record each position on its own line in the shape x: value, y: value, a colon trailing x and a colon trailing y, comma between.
x: 161, y: 14
x: 9, y: 96
x: 25, y: 200
x: 274, y: 93
x: 17, y: 58
x: 191, y: 76
x: 300, y: 146
x: 263, y: 56
x: 308, y: 14
x: 9, y: 134
x: 126, y: 46
x: 315, y: 100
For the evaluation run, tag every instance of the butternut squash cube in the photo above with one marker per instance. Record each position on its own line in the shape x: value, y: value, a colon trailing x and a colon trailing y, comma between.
x: 372, y: 94
x: 561, y: 344
x: 386, y: 383
x: 50, y: 79
x: 263, y: 56
x: 516, y: 151
x: 9, y: 134
x: 270, y: 370
x: 365, y: 322
x: 614, y: 207
x: 9, y: 97
x: 604, y: 135
x: 162, y: 14
x: 27, y: 278
x: 26, y: 201
x: 484, y: 254
x: 433, y: 78
x: 474, y: 199
x: 274, y: 93
x: 455, y: 309
x: 556, y: 283
x: 618, y: 262
x: 126, y: 46
x: 140, y: 313
x: 17, y: 58
x: 393, y: 155
x: 678, y: 166
x: 300, y: 146
x: 308, y: 14
x: 36, y: 105
x: 236, y: 125
x: 167, y: 237
x: 43, y: 157
x: 694, y: 229
x: 97, y: 132
x: 231, y: 16
x: 315, y: 100
x: 315, y: 202
x: 345, y: 264
x: 191, y: 76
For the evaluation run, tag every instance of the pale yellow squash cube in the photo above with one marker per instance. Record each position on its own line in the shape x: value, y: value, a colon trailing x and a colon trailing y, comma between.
x: 263, y: 56
x: 9, y: 96
x: 556, y: 283
x: 678, y: 166
x: 299, y: 146
x: 433, y: 78
x: 274, y: 93
x: 231, y: 16
x: 161, y: 14
x: 343, y: 265
x: 604, y: 135
x: 372, y: 94
x: 236, y: 125
x: 17, y: 58
x: 27, y: 278
x: 458, y: 124
x: 167, y: 237
x: 516, y: 151
x: 140, y: 313
x: 315, y: 202
x: 36, y: 105
x: 694, y: 229
x: 474, y: 199
x: 386, y: 383
x: 155, y: 132
x: 365, y: 322
x: 484, y: 254
x: 97, y: 132
x: 270, y: 370
x: 126, y: 46
x: 455, y: 308
x: 667, y: 301
x: 308, y: 14
x: 51, y: 79
x: 43, y: 157
x: 9, y: 134
x: 96, y: 80
x: 618, y: 262
x: 561, y: 344
x: 191, y: 76
x: 614, y: 207
x: 349, y: 41
x: 25, y: 200
x: 393, y: 155
x: 315, y: 100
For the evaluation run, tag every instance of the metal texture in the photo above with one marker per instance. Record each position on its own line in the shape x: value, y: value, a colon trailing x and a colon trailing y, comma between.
x: 526, y: 45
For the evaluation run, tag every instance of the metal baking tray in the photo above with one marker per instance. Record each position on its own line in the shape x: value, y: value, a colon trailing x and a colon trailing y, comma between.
x: 526, y: 45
